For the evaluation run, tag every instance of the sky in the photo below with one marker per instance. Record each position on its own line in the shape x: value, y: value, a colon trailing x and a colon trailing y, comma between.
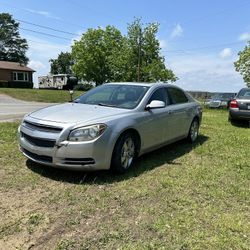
x: 200, y: 40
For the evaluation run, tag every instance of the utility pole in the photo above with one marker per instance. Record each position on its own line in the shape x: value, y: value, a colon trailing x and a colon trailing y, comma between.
x: 139, y: 56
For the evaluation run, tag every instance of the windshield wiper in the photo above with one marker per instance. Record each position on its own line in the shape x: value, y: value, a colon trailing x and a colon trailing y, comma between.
x: 106, y: 105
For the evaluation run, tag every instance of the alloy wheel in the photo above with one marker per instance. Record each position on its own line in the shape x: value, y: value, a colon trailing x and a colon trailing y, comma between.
x: 127, y: 153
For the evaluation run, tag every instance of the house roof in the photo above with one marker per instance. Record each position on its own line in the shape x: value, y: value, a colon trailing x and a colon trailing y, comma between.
x: 14, y: 66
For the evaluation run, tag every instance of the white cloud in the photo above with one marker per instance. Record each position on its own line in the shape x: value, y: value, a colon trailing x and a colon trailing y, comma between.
x: 40, y: 52
x: 40, y: 68
x: 43, y: 13
x: 163, y: 44
x: 177, y: 31
x: 36, y: 65
x: 205, y: 73
x: 43, y: 49
x: 77, y: 38
x: 227, y: 52
x: 244, y: 36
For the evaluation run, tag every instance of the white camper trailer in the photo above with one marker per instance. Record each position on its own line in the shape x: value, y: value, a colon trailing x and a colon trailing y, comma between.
x: 53, y: 81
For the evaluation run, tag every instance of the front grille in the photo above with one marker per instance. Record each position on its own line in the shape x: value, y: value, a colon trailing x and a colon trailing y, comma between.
x: 214, y: 104
x: 41, y: 127
x: 38, y: 141
x: 42, y: 158
x: 78, y: 161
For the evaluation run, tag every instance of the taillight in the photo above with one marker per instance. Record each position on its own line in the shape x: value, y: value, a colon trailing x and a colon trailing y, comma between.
x: 234, y: 104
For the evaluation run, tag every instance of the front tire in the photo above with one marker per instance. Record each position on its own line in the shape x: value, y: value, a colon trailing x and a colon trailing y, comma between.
x: 193, y: 131
x: 124, y: 153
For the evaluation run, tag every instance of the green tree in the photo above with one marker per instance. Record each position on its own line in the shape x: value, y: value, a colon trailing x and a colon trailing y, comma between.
x: 147, y: 63
x: 105, y: 55
x: 120, y: 62
x: 12, y: 47
x: 92, y: 54
x: 61, y: 65
x: 242, y: 65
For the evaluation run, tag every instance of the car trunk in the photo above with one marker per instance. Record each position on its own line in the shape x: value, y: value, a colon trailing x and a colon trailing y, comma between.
x: 244, y: 104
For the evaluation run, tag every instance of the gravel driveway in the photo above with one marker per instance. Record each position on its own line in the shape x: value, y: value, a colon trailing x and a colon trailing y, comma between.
x: 12, y: 109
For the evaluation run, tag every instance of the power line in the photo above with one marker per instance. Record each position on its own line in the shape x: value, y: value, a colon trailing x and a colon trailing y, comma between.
x: 171, y: 51
x: 46, y: 34
x: 39, y: 42
x: 46, y: 27
x: 33, y: 12
x: 70, y: 33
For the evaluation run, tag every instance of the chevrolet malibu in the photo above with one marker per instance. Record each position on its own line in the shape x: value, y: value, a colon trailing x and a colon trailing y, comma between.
x: 109, y: 126
x: 239, y: 108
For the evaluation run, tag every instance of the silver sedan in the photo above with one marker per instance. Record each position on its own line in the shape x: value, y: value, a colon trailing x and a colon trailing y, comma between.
x: 109, y: 126
x: 239, y: 108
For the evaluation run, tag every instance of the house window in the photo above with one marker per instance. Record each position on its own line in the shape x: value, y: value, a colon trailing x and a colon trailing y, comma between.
x: 20, y: 76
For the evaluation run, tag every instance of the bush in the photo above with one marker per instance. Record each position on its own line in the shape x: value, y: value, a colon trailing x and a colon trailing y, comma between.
x: 83, y: 87
x: 25, y: 85
x: 3, y: 84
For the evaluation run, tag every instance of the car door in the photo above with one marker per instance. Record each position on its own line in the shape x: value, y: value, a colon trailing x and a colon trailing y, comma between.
x: 180, y: 113
x: 155, y: 121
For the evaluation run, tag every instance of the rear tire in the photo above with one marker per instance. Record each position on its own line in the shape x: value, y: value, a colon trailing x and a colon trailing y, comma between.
x: 193, y: 131
x: 124, y: 153
x: 231, y: 120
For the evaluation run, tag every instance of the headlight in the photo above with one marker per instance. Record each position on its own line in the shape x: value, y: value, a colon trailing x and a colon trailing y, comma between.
x: 87, y: 133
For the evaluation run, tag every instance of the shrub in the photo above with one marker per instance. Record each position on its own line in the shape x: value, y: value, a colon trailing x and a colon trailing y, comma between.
x: 83, y: 87
x: 25, y: 85
x: 3, y: 84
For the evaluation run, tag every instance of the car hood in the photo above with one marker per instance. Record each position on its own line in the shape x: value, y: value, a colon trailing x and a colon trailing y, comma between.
x: 75, y: 113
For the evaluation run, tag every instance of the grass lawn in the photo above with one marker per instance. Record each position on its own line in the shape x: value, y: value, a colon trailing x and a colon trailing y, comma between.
x: 179, y: 197
x: 40, y: 95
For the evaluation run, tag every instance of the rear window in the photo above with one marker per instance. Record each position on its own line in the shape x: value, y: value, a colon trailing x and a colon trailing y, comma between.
x: 244, y: 94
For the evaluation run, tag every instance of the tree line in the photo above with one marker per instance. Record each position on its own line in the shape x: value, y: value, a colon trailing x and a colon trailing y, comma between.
x: 106, y: 55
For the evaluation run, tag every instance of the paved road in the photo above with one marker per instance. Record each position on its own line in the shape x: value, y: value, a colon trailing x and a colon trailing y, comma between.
x: 12, y: 109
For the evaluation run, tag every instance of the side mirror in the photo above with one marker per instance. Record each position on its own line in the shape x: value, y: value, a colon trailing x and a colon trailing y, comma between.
x: 155, y: 105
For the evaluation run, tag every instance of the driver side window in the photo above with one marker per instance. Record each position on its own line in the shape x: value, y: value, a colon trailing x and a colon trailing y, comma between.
x: 159, y: 95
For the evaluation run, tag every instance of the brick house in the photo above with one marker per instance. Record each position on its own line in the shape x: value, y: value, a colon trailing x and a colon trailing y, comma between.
x: 15, y: 75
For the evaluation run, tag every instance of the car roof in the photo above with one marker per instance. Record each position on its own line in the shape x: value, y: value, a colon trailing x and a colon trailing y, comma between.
x: 141, y: 84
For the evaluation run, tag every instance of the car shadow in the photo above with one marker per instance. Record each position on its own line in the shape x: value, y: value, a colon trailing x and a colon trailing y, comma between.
x: 241, y: 123
x: 166, y: 155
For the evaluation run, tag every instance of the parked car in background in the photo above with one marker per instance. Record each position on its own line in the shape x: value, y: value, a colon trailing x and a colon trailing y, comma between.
x: 239, y: 108
x: 109, y: 126
x: 219, y: 100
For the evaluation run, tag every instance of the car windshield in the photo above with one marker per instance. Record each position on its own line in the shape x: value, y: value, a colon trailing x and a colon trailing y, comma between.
x: 114, y: 95
x: 244, y: 94
x: 222, y: 96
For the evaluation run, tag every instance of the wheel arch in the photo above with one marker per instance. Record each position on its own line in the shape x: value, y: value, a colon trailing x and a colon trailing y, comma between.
x: 136, y: 135
x: 198, y: 118
x: 133, y: 133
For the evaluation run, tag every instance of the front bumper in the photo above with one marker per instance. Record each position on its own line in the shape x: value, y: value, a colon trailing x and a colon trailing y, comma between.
x: 90, y: 155
x: 218, y: 104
